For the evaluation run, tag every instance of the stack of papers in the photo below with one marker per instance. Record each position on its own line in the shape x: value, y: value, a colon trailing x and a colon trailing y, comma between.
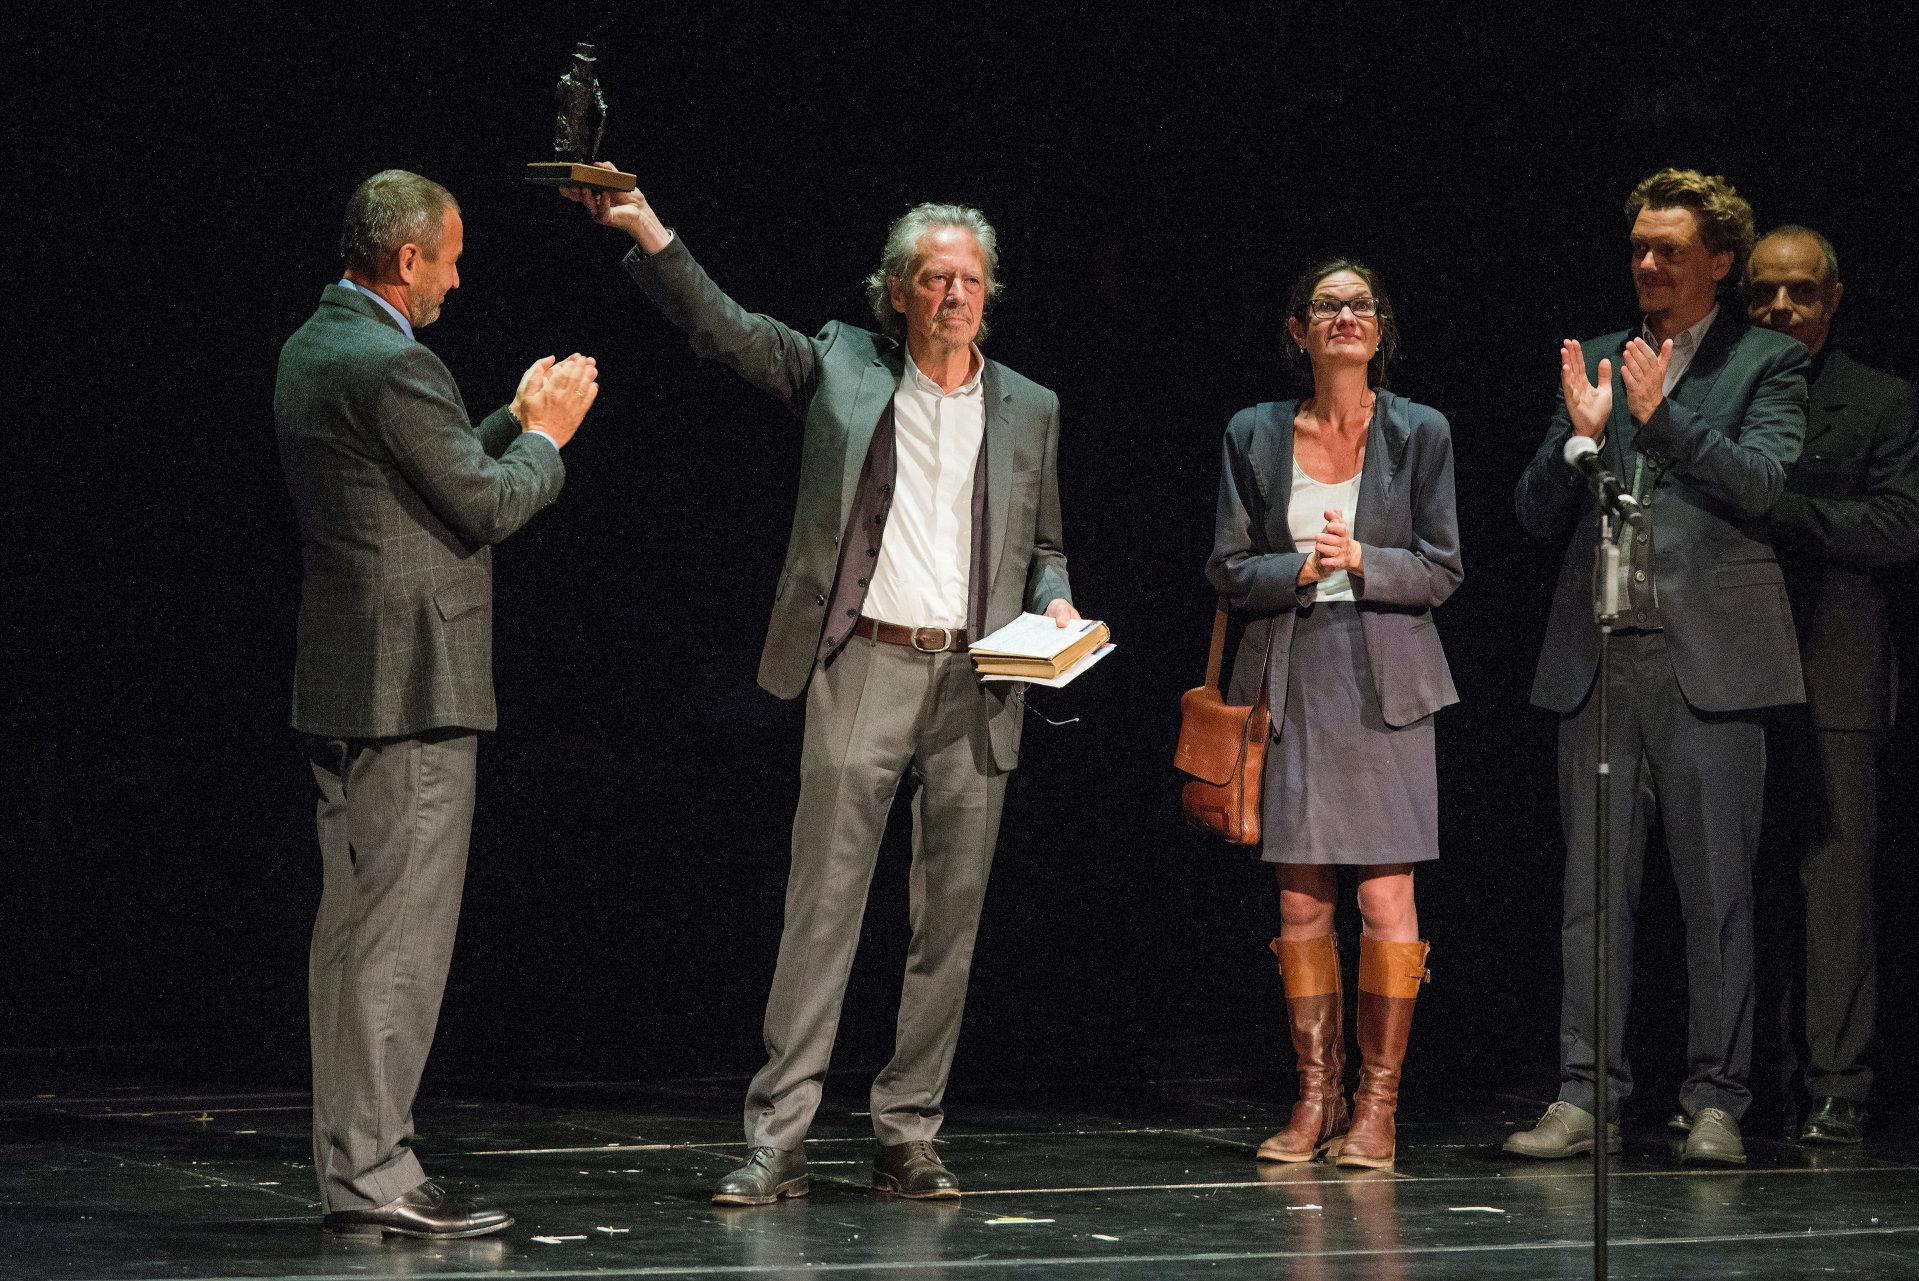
x: 1036, y: 650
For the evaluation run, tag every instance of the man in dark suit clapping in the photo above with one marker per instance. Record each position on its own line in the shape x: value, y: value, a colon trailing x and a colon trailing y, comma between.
x: 399, y: 499
x: 1701, y: 419
x: 1850, y: 510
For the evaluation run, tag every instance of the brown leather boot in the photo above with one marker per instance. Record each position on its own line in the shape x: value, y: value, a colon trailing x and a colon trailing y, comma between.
x: 1389, y: 979
x: 1310, y: 971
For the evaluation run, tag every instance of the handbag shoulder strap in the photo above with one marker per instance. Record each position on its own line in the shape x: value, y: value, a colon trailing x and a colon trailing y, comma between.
x: 1216, y: 654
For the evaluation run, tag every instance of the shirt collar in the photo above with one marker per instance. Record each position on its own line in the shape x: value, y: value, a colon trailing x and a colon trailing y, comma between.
x: 910, y: 376
x: 1687, y: 339
x: 398, y: 318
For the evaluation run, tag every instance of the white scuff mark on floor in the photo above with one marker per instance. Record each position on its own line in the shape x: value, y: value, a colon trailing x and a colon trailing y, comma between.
x: 1101, y: 1236
x: 1015, y: 1218
x: 559, y: 1240
x: 1475, y: 1209
x: 612, y: 1231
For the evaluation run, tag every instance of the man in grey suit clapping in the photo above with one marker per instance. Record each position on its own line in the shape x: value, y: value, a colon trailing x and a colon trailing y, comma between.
x: 928, y: 515
x: 399, y: 499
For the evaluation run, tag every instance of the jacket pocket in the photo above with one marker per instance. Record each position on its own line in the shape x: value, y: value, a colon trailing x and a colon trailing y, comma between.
x: 462, y: 597
x: 1748, y: 573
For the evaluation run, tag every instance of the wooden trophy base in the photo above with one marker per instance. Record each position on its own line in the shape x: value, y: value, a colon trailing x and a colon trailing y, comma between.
x: 563, y: 173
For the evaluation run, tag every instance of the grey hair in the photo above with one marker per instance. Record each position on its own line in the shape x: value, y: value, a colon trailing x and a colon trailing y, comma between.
x: 1825, y: 247
x: 902, y: 249
x: 391, y: 209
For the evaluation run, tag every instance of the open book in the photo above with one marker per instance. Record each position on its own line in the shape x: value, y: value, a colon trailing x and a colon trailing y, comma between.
x: 1034, y: 647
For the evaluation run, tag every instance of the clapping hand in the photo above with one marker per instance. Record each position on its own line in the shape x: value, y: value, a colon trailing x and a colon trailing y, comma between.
x: 1644, y: 373
x: 1588, y: 405
x: 554, y: 396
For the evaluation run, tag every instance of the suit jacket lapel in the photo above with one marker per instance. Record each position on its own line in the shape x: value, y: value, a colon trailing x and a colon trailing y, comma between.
x: 1269, y: 455
x: 1386, y: 439
x: 877, y: 383
x: 999, y: 464
x: 1828, y: 395
x: 1708, y: 361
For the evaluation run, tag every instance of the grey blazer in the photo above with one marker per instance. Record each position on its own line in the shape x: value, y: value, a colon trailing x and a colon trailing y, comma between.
x: 1407, y: 520
x: 398, y: 498
x: 838, y: 384
x: 1726, y: 435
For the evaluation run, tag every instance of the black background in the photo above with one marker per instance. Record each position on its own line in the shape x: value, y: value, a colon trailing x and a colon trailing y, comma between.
x: 1157, y: 176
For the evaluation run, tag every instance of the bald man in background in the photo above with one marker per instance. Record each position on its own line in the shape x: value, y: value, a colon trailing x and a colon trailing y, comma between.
x: 1850, y: 511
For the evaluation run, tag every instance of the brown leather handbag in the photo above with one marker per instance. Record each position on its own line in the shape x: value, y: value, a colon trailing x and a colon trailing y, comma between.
x: 1224, y: 749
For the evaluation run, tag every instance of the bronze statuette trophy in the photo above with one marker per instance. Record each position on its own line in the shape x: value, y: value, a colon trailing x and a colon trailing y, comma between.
x: 575, y: 148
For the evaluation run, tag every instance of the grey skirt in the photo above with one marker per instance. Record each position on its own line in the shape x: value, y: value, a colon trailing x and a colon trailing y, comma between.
x: 1341, y: 785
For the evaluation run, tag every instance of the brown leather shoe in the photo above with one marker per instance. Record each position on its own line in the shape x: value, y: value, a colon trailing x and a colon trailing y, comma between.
x: 426, y: 1211
x: 1314, y: 1006
x: 1389, y: 979
x: 768, y: 1175
x: 913, y: 1170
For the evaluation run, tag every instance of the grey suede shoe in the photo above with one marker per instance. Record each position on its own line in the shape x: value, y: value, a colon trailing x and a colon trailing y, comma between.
x: 1565, y: 1130
x: 1713, y: 1140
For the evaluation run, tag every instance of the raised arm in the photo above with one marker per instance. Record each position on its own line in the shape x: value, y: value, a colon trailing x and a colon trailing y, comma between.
x: 480, y: 498
x: 778, y: 360
x: 1744, y: 466
x: 1550, y: 495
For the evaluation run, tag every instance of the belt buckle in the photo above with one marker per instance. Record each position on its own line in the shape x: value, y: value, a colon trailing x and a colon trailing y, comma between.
x: 946, y: 640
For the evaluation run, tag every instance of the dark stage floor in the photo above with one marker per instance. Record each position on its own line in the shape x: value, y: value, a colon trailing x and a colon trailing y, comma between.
x: 1152, y: 1179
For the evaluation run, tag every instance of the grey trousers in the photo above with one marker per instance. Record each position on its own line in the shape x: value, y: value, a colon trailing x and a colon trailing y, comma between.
x: 1705, y: 775
x: 876, y: 716
x: 394, y: 816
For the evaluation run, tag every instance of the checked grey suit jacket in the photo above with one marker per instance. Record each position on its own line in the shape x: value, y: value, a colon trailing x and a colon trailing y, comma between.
x: 1724, y: 437
x: 838, y: 384
x: 1407, y: 519
x: 399, y: 498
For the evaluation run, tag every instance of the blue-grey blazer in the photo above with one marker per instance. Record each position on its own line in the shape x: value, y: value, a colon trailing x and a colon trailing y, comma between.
x: 1407, y: 520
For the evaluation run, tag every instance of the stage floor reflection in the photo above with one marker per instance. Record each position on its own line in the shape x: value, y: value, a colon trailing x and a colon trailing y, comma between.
x: 1150, y: 1179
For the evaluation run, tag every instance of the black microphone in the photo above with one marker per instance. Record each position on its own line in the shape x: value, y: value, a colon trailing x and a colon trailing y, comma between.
x: 1582, y: 452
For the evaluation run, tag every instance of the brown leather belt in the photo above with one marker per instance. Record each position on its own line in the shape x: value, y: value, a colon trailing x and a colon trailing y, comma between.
x: 927, y: 640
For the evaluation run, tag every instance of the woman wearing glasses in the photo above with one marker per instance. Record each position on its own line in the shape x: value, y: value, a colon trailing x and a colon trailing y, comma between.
x: 1336, y: 535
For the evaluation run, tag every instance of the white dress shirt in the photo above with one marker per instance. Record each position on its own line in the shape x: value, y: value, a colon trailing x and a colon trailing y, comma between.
x: 926, y: 553
x: 1685, y: 345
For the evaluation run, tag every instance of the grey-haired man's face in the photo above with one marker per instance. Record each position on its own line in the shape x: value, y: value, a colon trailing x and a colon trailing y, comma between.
x: 943, y: 297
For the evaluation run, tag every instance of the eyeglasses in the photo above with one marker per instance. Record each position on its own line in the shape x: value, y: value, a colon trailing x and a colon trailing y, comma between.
x: 1365, y: 307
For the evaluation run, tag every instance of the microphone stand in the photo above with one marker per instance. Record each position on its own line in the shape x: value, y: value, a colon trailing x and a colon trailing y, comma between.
x: 1606, y: 609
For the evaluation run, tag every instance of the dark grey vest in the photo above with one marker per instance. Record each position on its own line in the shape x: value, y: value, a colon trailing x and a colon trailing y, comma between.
x: 866, y: 525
